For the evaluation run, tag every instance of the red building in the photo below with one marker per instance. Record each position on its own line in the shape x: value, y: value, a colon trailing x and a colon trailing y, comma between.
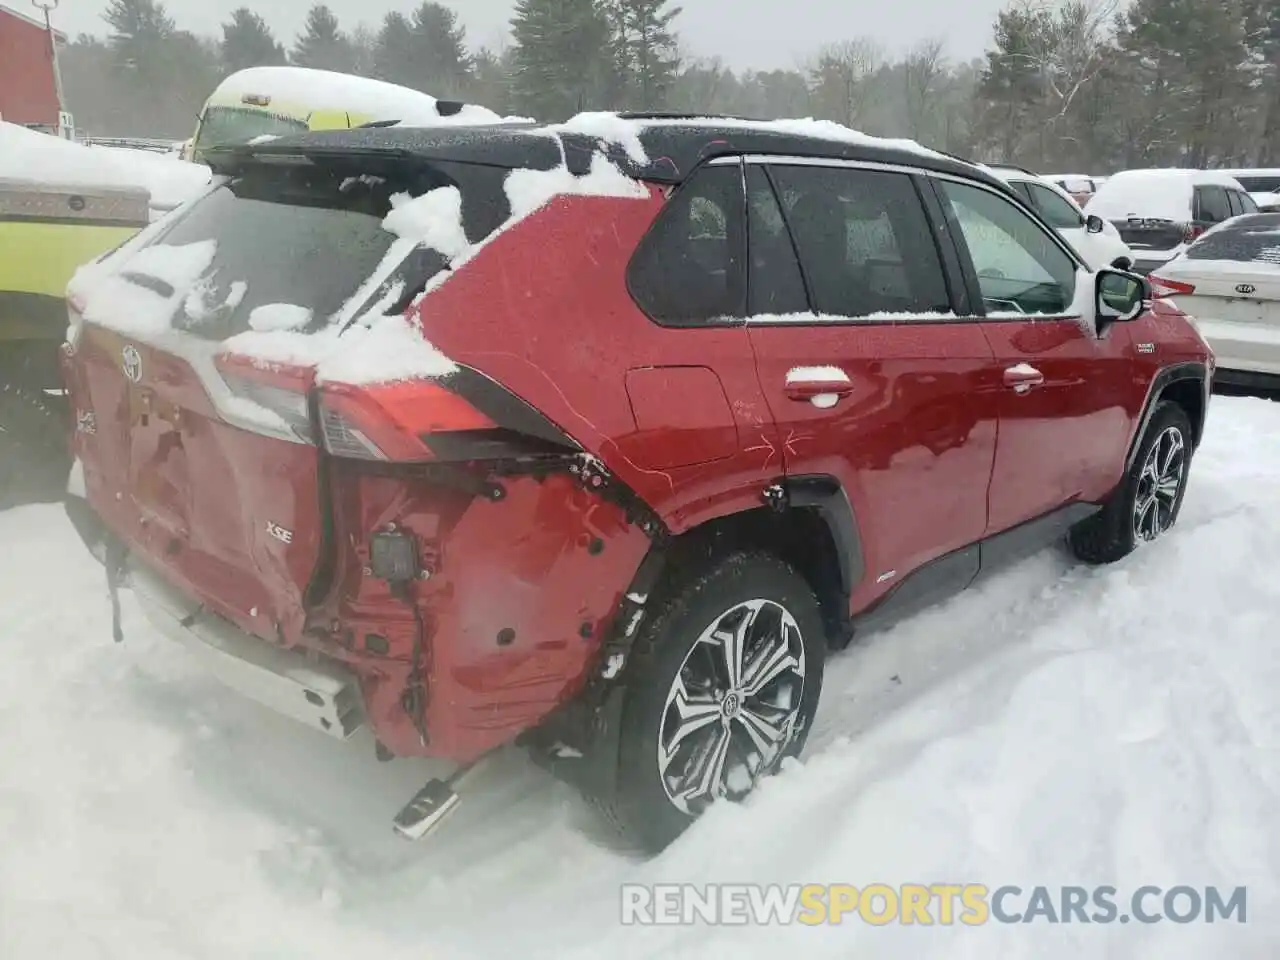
x: 28, y: 90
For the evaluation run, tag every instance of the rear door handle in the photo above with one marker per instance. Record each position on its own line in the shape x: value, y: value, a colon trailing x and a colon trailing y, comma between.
x: 808, y: 389
x: 1022, y: 377
x: 805, y: 383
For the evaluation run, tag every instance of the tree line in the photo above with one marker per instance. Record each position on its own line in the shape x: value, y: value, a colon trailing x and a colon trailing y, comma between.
x: 1084, y: 85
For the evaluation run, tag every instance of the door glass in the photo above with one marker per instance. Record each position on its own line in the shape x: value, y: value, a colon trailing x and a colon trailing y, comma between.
x: 774, y: 283
x: 1020, y: 267
x: 1246, y: 202
x: 865, y: 243
x: 1059, y: 213
x: 687, y: 270
x: 1213, y: 204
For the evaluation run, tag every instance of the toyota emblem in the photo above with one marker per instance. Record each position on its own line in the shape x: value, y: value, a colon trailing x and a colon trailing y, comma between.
x: 1245, y: 288
x: 132, y: 363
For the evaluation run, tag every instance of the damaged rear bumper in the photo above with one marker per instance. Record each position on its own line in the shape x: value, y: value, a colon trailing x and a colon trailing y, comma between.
x: 321, y: 694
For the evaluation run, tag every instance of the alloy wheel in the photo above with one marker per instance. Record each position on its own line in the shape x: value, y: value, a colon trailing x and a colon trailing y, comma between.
x: 1159, y: 485
x: 732, y: 709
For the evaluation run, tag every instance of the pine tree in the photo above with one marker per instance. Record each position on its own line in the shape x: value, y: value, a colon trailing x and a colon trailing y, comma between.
x: 364, y: 50
x: 322, y: 44
x: 444, y: 67
x: 1189, y: 67
x: 1011, y: 86
x: 247, y: 42
x: 652, y: 51
x: 490, y: 84
x: 395, y: 54
x: 561, y: 57
x: 138, y: 29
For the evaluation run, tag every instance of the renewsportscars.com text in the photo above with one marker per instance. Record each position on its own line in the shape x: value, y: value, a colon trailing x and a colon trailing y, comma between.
x: 926, y: 904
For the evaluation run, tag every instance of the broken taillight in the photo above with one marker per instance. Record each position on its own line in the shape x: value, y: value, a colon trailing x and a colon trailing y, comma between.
x: 393, y: 421
x: 1161, y: 287
x: 269, y: 391
x: 464, y: 417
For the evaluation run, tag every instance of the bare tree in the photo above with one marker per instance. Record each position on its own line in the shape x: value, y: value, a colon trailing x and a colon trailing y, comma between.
x: 843, y: 79
x: 923, y: 71
x: 1071, y: 49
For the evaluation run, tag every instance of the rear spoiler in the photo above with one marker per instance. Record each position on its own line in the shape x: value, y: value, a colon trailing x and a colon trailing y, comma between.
x: 228, y: 161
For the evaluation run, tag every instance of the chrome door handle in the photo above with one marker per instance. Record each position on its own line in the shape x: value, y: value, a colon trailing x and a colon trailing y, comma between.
x: 1022, y: 377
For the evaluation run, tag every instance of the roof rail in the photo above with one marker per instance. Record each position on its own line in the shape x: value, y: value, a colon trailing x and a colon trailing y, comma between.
x: 1010, y: 166
x: 679, y: 115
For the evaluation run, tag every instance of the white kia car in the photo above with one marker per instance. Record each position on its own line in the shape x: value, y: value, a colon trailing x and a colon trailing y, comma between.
x: 1228, y: 282
x: 1096, y: 240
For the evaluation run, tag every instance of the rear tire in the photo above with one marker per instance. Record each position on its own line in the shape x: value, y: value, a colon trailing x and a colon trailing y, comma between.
x: 34, y: 459
x: 701, y: 722
x: 1147, y: 502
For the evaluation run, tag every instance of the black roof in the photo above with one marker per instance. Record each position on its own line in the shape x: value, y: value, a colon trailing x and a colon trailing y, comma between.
x: 674, y: 146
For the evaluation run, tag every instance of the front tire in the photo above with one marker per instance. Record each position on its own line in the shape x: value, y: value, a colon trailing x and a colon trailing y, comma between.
x: 1148, y: 501
x: 722, y: 686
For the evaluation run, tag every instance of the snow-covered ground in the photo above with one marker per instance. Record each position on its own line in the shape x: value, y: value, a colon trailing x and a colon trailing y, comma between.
x: 1061, y: 726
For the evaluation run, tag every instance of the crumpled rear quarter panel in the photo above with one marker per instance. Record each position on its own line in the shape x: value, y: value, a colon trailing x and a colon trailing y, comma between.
x: 519, y: 596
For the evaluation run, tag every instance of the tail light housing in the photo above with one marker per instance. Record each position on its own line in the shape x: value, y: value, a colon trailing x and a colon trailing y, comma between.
x: 465, y: 416
x: 1191, y: 232
x: 1162, y: 288
x: 393, y: 421
x: 279, y: 388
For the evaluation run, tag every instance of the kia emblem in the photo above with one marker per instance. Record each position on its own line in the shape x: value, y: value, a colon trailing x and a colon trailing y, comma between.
x: 132, y: 363
x: 1245, y: 288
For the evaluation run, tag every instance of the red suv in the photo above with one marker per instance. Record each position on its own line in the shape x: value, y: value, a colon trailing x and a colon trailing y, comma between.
x: 598, y: 438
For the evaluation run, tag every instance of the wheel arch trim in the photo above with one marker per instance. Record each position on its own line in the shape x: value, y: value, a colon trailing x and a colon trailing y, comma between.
x: 1190, y: 370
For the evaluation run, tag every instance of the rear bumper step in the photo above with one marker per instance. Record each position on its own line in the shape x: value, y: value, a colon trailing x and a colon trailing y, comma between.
x: 323, y: 696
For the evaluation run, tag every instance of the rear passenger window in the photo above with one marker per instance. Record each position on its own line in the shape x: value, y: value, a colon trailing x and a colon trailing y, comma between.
x: 1212, y: 204
x: 774, y: 283
x: 689, y: 268
x: 1246, y: 202
x: 865, y: 243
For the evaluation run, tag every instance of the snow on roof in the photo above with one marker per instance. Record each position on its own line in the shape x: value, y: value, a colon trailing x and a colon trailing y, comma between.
x: 31, y: 155
x: 625, y: 131
x: 170, y: 179
x: 43, y: 158
x: 1250, y: 172
x: 1157, y: 194
x: 384, y: 101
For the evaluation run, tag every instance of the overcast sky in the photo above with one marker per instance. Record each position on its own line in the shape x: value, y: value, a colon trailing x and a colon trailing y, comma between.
x: 762, y: 34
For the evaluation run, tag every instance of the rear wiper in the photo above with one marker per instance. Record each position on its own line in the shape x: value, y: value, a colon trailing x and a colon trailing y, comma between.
x: 154, y: 284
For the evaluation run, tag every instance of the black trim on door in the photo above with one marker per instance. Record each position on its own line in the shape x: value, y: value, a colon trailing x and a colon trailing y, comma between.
x: 964, y: 262
x: 947, y: 242
x: 955, y: 572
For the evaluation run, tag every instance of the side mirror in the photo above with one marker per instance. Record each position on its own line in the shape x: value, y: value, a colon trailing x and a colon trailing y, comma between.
x: 1119, y: 296
x: 1093, y: 223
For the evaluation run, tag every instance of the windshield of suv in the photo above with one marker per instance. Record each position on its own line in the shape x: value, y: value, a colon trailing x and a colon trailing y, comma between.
x: 229, y: 126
